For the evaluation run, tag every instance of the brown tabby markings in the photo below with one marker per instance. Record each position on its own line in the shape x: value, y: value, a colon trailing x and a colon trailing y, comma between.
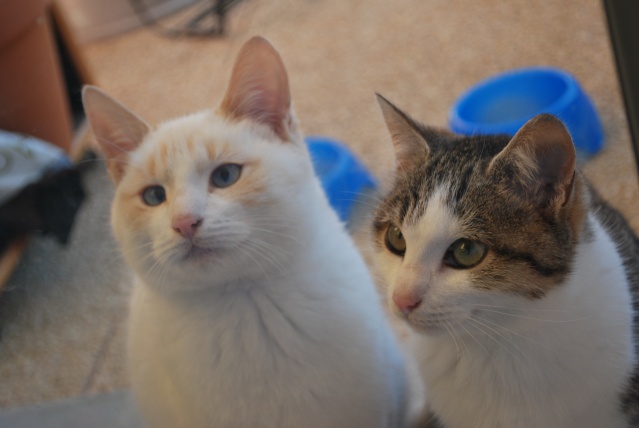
x: 495, y: 204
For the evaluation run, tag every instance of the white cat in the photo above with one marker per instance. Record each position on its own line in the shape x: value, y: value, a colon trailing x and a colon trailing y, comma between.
x: 252, y: 307
x: 516, y: 278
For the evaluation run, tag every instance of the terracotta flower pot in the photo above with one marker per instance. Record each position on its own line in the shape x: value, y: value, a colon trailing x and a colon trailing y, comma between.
x: 33, y: 97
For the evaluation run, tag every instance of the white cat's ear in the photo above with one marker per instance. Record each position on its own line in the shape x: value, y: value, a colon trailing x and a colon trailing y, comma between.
x: 543, y: 157
x: 118, y: 130
x: 410, y: 146
x: 259, y: 90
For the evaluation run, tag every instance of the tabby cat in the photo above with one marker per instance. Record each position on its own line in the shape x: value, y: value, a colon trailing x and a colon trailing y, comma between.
x: 518, y: 281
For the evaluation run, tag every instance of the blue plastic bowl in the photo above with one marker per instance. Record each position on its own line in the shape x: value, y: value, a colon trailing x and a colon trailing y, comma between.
x: 504, y: 103
x: 342, y: 176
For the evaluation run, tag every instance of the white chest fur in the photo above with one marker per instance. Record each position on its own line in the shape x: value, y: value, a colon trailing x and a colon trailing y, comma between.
x: 561, y: 361
x: 291, y: 354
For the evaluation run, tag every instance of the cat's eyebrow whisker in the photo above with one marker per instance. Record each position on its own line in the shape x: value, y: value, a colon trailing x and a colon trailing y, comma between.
x: 532, y: 318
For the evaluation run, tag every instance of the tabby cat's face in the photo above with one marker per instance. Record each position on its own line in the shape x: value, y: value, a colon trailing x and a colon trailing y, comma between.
x: 475, y: 223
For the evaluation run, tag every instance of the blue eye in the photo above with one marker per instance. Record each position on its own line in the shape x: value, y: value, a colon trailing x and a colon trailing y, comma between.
x: 225, y: 175
x: 153, y: 195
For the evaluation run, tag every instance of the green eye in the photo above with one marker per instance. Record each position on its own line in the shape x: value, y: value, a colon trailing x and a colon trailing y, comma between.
x: 394, y: 240
x: 225, y: 175
x: 465, y: 254
x: 153, y: 195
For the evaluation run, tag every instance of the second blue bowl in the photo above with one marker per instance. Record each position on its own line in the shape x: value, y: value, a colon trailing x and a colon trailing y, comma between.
x: 504, y: 103
x: 342, y: 175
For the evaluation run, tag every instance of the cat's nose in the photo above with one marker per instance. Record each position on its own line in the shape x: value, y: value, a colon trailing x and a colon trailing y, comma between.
x: 186, y: 225
x: 406, y: 302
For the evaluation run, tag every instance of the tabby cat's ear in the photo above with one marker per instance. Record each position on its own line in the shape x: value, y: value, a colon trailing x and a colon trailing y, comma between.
x: 118, y: 130
x: 259, y: 90
x: 410, y: 146
x: 543, y: 157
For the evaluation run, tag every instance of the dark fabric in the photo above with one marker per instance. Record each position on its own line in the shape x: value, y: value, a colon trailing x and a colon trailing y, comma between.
x: 48, y: 206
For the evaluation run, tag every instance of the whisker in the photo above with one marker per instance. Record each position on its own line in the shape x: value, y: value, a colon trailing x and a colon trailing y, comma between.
x: 284, y: 235
x: 371, y: 205
x: 479, y: 343
x: 446, y: 325
x: 368, y: 195
x: 461, y: 339
x: 512, y: 331
x: 522, y: 309
x: 261, y: 251
x: 532, y: 318
x: 479, y: 323
x: 245, y: 250
x: 268, y: 247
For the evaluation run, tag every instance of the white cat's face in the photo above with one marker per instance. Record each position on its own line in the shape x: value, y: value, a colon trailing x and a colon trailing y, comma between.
x: 203, y: 199
x: 211, y: 198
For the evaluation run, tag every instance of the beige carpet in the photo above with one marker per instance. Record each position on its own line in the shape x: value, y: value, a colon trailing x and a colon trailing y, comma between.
x: 63, y: 312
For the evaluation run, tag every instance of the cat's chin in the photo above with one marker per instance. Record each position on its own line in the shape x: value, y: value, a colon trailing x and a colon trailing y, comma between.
x: 196, y: 254
x: 192, y: 256
x: 430, y: 326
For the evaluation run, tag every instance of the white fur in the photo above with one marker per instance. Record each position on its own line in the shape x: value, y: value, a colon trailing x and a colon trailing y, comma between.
x: 281, y: 326
x: 491, y: 360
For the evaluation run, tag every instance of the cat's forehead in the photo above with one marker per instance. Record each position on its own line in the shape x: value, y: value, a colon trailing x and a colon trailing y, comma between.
x: 189, y: 142
x: 453, y: 171
x: 455, y: 158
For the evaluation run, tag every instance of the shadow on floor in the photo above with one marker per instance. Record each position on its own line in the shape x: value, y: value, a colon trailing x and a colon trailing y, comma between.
x: 113, y: 410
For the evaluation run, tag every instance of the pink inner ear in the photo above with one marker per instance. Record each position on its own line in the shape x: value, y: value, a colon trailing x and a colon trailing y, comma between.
x: 117, y: 129
x: 544, y: 144
x: 258, y: 89
x: 409, y: 145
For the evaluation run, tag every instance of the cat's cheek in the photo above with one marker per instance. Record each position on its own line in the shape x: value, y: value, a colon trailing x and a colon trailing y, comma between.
x: 389, y: 267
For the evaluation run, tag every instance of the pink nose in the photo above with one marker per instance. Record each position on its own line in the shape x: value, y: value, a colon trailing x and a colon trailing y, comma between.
x: 407, y: 302
x: 186, y: 225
